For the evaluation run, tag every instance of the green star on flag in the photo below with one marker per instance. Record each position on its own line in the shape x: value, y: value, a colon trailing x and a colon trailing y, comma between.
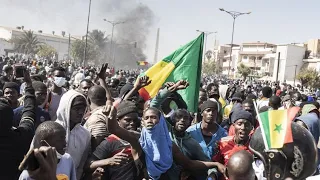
x: 278, y: 128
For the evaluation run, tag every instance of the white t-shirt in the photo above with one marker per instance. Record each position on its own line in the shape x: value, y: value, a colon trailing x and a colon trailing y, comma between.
x: 54, y: 104
x: 65, y: 169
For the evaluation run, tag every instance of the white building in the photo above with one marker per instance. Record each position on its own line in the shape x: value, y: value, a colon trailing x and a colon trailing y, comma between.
x: 223, y: 58
x: 58, y: 42
x: 5, y: 46
x: 258, y: 56
x: 291, y: 61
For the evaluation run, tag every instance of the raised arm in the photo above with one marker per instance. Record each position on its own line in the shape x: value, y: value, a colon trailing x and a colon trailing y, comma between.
x: 170, y: 87
x: 102, y: 75
x: 140, y: 83
x: 114, y: 128
x: 29, y: 110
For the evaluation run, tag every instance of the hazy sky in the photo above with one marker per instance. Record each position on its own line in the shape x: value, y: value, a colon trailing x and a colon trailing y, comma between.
x: 274, y: 21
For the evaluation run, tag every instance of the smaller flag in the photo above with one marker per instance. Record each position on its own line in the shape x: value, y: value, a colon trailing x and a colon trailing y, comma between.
x: 276, y: 127
x: 142, y: 63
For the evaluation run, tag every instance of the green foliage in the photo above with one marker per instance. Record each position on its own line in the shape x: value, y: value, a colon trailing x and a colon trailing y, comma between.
x: 77, y: 51
x: 209, y: 67
x: 28, y: 43
x: 244, y: 71
x: 47, y: 52
x: 98, y: 41
x: 208, y: 55
x: 308, y: 77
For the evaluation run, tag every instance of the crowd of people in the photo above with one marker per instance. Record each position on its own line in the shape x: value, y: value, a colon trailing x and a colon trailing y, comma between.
x: 91, y: 123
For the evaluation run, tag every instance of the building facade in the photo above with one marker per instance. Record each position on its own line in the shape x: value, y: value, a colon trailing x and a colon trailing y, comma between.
x: 258, y: 56
x: 58, y: 42
x: 313, y: 45
x: 291, y: 60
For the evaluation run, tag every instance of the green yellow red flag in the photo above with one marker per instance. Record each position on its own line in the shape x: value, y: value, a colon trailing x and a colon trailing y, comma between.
x: 183, y: 64
x: 276, y: 127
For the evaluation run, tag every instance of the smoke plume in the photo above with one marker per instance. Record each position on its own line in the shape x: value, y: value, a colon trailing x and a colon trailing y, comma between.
x: 71, y: 16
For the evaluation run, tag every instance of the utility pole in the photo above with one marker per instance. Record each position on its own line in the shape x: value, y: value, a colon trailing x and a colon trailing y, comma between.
x: 113, y: 23
x: 295, y: 74
x: 69, y: 42
x: 86, y: 44
x: 157, y: 48
x: 277, y: 75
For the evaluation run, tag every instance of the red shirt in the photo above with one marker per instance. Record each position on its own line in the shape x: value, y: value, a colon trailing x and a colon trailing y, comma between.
x: 226, y: 148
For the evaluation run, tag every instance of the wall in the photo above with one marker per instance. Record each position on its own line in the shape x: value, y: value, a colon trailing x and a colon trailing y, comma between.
x: 4, y: 44
x: 290, y: 55
x: 5, y: 34
x: 254, y: 48
x: 314, y: 46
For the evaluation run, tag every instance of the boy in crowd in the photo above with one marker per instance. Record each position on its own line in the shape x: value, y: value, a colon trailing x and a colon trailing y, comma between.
x: 53, y: 134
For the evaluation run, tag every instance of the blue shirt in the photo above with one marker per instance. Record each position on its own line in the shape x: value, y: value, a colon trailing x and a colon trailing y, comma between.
x: 210, y: 148
x: 41, y: 116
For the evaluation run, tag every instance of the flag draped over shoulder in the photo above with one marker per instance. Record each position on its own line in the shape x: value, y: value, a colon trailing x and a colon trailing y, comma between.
x: 183, y: 64
x: 276, y: 127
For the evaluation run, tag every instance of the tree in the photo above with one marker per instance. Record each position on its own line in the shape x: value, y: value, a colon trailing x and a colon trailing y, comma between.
x: 308, y: 77
x: 47, y: 52
x: 98, y: 39
x: 28, y: 43
x: 208, y: 54
x: 77, y: 51
x: 244, y: 71
x: 209, y: 67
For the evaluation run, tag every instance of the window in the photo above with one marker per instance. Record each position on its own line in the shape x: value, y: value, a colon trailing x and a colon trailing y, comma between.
x: 245, y: 57
x: 252, y: 58
x: 260, y: 57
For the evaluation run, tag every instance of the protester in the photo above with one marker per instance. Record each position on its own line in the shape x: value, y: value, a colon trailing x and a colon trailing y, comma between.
x: 52, y: 134
x: 207, y: 132
x: 11, y: 91
x: 239, y: 166
x: 113, y: 153
x: 71, y: 110
x: 56, y: 91
x: 242, y: 122
x: 41, y: 114
x: 15, y: 142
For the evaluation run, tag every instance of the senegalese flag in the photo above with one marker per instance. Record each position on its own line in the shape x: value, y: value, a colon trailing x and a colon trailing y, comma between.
x: 142, y: 63
x: 183, y: 64
x: 276, y: 127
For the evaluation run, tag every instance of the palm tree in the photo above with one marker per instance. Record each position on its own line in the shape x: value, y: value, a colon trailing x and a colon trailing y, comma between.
x: 28, y: 43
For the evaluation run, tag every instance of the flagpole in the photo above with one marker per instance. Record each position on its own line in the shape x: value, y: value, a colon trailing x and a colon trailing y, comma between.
x: 261, y: 126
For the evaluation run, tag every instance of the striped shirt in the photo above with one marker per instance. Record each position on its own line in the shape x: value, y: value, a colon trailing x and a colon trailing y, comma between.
x: 96, y: 123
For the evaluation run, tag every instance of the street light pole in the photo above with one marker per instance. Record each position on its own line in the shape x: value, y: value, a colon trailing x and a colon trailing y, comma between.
x: 206, y: 34
x: 234, y: 15
x: 86, y: 43
x: 113, y: 23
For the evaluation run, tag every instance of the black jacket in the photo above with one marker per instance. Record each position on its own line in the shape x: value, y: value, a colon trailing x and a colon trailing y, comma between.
x: 15, y: 143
